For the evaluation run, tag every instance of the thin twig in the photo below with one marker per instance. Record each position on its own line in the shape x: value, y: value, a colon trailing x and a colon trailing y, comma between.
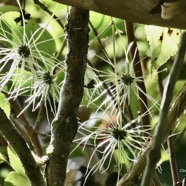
x: 39, y: 117
x: 177, y: 138
x: 154, y: 154
x: 42, y: 6
x: 33, y: 137
x: 160, y: 82
x: 138, y: 73
x: 172, y: 160
x: 100, y: 43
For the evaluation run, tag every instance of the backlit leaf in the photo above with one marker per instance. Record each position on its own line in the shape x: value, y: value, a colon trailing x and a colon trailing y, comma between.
x: 163, y: 43
x: 4, y: 104
x: 15, y: 161
x: 15, y: 179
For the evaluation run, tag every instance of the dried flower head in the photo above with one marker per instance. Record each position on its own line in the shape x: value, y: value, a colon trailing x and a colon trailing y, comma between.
x: 120, y: 141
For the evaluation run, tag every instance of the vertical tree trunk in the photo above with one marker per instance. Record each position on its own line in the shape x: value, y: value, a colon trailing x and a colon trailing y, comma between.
x: 64, y: 126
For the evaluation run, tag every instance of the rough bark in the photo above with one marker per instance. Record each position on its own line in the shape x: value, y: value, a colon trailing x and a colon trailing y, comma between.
x: 136, y: 11
x: 64, y: 126
x: 32, y: 169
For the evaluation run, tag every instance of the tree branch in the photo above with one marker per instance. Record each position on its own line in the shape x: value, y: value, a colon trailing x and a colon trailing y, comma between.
x: 154, y: 154
x: 64, y: 126
x: 134, y: 11
x: 30, y: 132
x: 172, y: 160
x: 138, y: 73
x: 32, y: 170
x: 175, y: 112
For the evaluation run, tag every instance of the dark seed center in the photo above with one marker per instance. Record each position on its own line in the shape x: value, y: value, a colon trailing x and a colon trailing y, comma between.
x: 48, y: 79
x: 127, y: 79
x: 24, y: 51
x: 119, y: 134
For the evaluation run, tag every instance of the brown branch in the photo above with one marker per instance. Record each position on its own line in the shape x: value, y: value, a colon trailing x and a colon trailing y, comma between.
x: 134, y: 11
x: 30, y: 132
x: 172, y: 160
x: 160, y: 82
x: 138, y: 73
x: 64, y: 126
x: 99, y: 41
x: 32, y: 170
x: 40, y: 116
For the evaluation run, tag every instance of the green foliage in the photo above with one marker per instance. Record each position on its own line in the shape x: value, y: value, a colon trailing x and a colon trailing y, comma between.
x: 4, y: 104
x: 15, y: 161
x: 102, y: 24
x: 7, y: 8
x: 114, y: 134
x: 15, y: 179
x: 3, y: 158
x: 33, y: 32
x: 163, y: 43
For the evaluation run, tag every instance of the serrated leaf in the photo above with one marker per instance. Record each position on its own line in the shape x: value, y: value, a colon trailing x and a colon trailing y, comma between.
x: 15, y: 161
x: 15, y: 179
x: 163, y: 43
x: 4, y: 104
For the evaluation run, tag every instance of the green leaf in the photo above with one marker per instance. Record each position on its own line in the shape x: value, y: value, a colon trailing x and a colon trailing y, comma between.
x: 77, y: 152
x: 8, y: 8
x: 164, y: 157
x: 4, y: 104
x: 24, y: 88
x: 44, y: 40
x: 10, y: 28
x: 102, y: 24
x: 40, y: 36
x: 15, y: 161
x: 3, y: 158
x: 5, y: 33
x: 15, y: 179
x: 163, y: 43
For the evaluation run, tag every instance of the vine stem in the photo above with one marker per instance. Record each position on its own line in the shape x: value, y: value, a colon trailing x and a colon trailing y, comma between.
x: 138, y: 73
x: 154, y: 154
